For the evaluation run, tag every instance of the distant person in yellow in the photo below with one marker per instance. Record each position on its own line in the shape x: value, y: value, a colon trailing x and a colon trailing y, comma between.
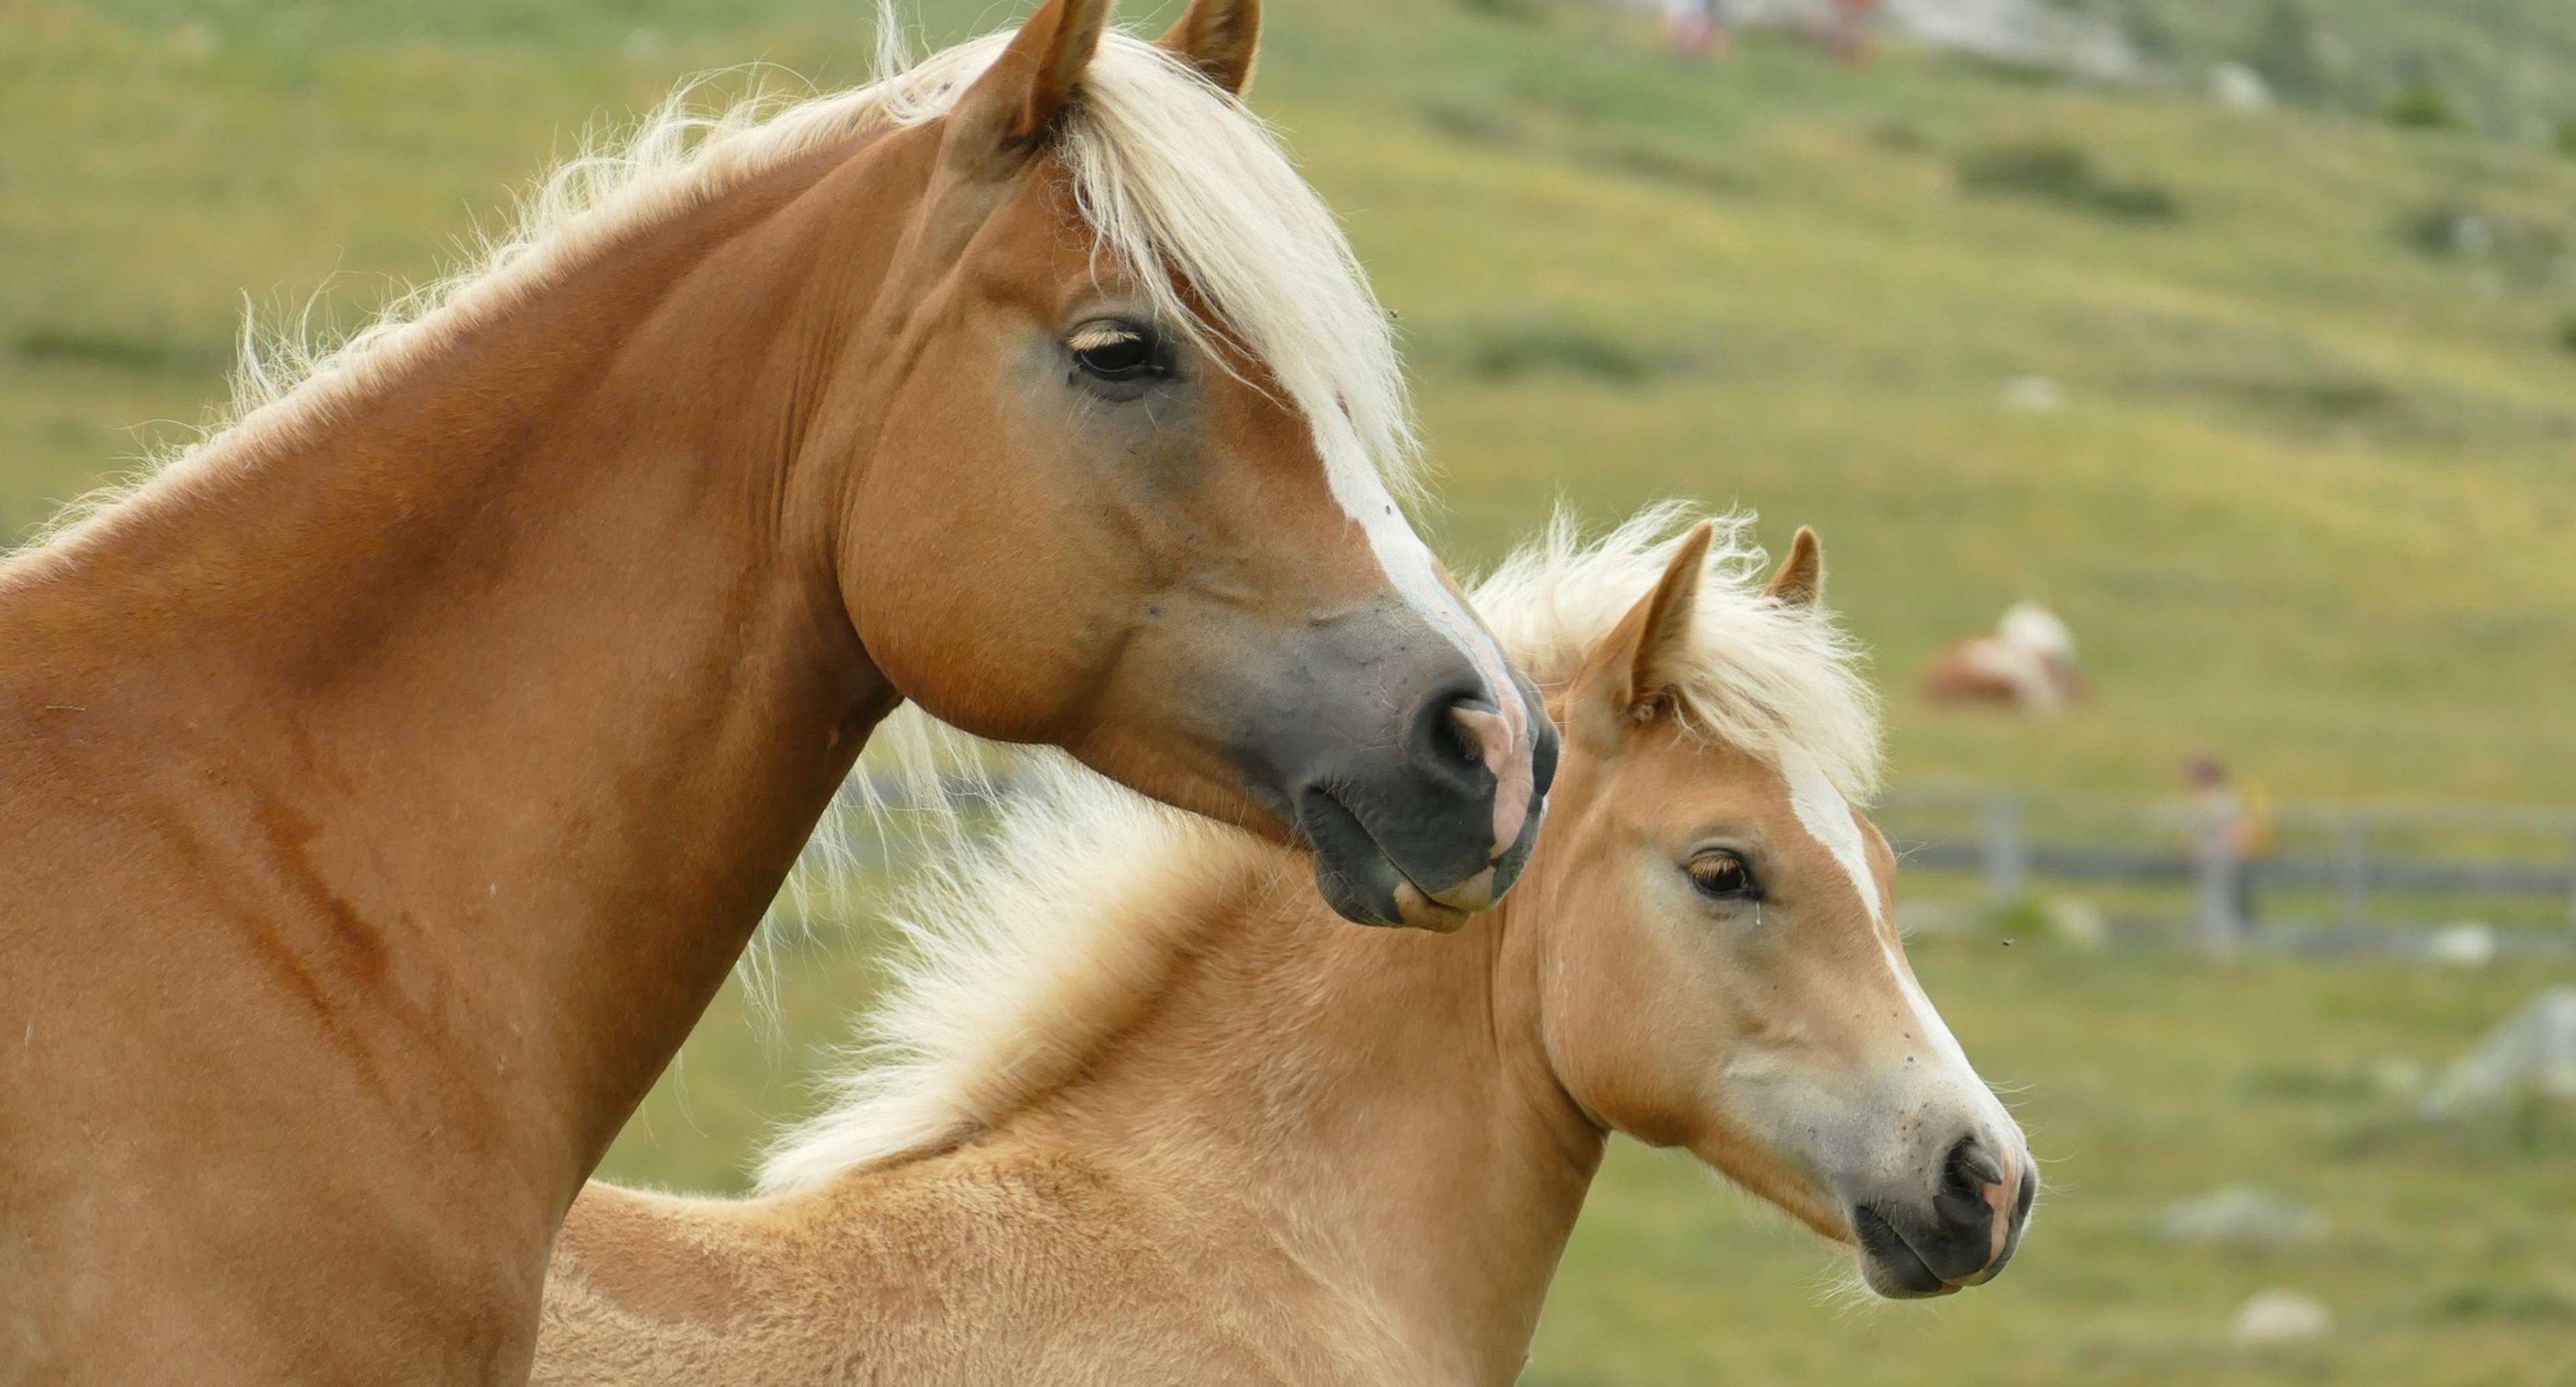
x: 2229, y: 822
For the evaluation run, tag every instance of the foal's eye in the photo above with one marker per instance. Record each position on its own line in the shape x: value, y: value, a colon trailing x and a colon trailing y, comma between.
x: 1116, y: 351
x: 1722, y: 875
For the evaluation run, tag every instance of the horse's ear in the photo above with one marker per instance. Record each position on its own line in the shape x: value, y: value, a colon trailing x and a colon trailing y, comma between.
x: 1018, y: 98
x: 1632, y: 674
x: 1217, y: 37
x: 1801, y: 579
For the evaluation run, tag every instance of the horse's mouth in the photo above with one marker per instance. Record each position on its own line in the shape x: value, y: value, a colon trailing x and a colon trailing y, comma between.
x: 1891, y: 1265
x: 1358, y: 878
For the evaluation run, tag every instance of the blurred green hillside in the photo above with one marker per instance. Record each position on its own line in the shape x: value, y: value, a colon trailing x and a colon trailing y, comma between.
x: 2279, y: 409
x: 2306, y: 502
x: 2503, y: 65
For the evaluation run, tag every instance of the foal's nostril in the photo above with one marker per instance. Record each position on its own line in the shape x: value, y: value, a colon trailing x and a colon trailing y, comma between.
x: 1972, y: 1167
x: 1971, y: 1201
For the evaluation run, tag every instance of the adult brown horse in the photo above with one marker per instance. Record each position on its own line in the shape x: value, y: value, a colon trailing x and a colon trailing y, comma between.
x: 389, y: 783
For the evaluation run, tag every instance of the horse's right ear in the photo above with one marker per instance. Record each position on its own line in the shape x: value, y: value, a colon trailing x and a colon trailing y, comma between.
x: 1801, y: 579
x: 1218, y: 38
x: 1631, y: 675
x: 1017, y: 99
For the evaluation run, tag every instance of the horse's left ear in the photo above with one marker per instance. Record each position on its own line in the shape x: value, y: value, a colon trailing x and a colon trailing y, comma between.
x: 1801, y: 579
x: 1632, y: 674
x: 1217, y: 37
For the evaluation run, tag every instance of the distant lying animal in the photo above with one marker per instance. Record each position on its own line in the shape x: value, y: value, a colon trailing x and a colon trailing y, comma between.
x: 2028, y: 663
x: 1147, y: 1113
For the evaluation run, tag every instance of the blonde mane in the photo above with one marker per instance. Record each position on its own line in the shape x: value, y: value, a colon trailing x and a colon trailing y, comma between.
x: 1029, y: 945
x: 1761, y: 676
x: 1180, y: 182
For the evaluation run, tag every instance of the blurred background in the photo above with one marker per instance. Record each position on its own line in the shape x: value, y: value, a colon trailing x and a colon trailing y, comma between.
x: 2236, y: 337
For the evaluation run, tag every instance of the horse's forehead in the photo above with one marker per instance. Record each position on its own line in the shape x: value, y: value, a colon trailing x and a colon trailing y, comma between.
x: 1786, y: 799
x: 1036, y: 231
x: 1827, y: 816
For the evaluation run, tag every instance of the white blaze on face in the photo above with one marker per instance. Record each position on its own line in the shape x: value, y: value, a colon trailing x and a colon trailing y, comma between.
x: 1948, y: 1078
x: 1411, y: 572
x: 1828, y: 818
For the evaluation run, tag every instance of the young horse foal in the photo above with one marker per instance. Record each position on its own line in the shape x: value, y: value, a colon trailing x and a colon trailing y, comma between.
x: 1153, y: 1116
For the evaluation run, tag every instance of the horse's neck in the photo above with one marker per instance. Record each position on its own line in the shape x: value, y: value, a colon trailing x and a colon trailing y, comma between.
x: 511, y: 640
x: 1379, y: 1098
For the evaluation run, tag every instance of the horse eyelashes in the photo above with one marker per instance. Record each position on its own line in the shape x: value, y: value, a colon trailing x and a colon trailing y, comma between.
x: 1092, y: 337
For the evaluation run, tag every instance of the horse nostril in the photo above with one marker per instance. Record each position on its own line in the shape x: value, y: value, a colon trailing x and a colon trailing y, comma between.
x: 1969, y: 1199
x: 1451, y: 729
x: 1456, y: 735
x: 1468, y: 757
x: 1971, y: 1167
x: 1543, y: 754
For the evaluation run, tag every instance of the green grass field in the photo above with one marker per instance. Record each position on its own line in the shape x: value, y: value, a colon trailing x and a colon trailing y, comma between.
x: 2308, y: 503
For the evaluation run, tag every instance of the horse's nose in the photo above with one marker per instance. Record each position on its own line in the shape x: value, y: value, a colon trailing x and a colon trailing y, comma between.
x: 1984, y: 1199
x: 1432, y: 817
x: 1500, y: 750
x: 1461, y: 735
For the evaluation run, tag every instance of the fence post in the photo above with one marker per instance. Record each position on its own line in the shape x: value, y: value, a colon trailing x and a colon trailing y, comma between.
x: 2218, y: 873
x: 2007, y: 857
x: 2571, y: 885
x: 2352, y: 870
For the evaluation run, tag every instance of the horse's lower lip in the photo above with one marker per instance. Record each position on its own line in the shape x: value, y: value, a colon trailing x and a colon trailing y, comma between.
x: 1886, y: 1250
x: 1418, y: 910
x: 1372, y: 888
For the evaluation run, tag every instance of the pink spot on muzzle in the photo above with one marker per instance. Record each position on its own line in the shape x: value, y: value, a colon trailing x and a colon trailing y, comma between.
x: 1497, y: 738
x: 2000, y: 1197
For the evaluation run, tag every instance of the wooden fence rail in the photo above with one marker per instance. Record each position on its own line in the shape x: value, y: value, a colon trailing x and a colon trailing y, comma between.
x: 2009, y: 840
x: 2006, y: 871
x: 2354, y: 854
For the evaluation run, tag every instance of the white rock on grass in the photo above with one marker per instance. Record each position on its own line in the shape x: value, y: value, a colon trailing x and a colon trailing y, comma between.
x: 2282, y: 1317
x: 2077, y: 923
x: 2239, y: 88
x: 2246, y: 1216
x: 2467, y: 944
x: 2034, y: 395
x: 2531, y: 1055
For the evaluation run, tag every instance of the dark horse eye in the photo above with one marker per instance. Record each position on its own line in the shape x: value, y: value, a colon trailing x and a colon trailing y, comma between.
x: 1721, y: 875
x: 1114, y: 351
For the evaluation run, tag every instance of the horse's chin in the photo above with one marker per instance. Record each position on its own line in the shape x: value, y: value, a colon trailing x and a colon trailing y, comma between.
x: 1369, y: 889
